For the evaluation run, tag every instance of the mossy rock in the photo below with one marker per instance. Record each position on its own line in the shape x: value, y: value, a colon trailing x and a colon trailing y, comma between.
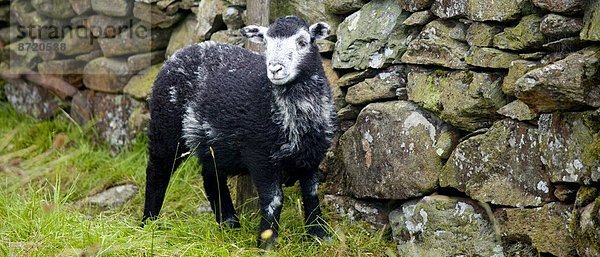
x: 140, y: 85
x: 526, y: 35
x: 311, y: 11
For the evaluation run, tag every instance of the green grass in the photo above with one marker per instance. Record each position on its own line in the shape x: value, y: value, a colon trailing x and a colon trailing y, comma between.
x: 41, y: 180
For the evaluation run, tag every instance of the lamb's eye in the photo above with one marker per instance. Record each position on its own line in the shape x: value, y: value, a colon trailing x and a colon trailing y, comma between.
x: 302, y: 43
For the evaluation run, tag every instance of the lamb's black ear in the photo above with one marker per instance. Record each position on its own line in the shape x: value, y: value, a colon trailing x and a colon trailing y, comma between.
x: 254, y: 33
x: 319, y: 30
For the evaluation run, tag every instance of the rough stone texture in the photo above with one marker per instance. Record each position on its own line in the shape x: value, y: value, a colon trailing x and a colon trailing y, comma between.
x: 526, y: 35
x: 388, y: 143
x: 586, y: 226
x: 443, y: 226
x: 343, y: 6
x: 591, y: 21
x: 490, y: 58
x: 554, y: 25
x: 415, y: 5
x: 105, y: 26
x: 465, y: 99
x: 31, y: 99
x: 117, y: 8
x: 75, y: 44
x: 516, y: 70
x: 210, y: 17
x: 154, y: 16
x: 312, y: 11
x: 232, y: 37
x: 560, y: 6
x: 232, y: 17
x: 564, y: 140
x: 381, y: 87
x: 139, y: 62
x: 186, y: 33
x: 500, y: 10
x: 374, y: 213
x: 140, y: 85
x: 348, y: 112
x: 106, y: 75
x: 570, y: 83
x: 518, y: 110
x: 126, y: 44
x: 354, y: 77
x: 547, y: 227
x: 585, y: 195
x: 70, y: 70
x: 449, y: 8
x: 81, y: 6
x: 501, y: 167
x: 441, y: 42
x: 372, y: 37
x: 112, y: 113
x: 57, y: 9
x: 113, y: 197
x: 81, y: 107
x: 419, y: 18
x: 481, y: 34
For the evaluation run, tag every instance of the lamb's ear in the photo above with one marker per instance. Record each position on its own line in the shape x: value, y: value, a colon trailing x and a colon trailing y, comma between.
x: 319, y: 30
x: 254, y: 33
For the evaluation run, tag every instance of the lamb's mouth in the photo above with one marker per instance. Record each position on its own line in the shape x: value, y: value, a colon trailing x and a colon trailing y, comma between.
x: 279, y: 80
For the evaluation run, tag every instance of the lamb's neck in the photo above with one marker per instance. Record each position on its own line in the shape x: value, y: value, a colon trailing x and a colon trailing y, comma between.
x: 301, y: 108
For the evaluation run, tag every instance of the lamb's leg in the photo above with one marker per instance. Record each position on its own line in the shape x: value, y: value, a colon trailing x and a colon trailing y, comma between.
x: 219, y: 196
x: 312, y: 212
x: 158, y: 174
x: 270, y: 194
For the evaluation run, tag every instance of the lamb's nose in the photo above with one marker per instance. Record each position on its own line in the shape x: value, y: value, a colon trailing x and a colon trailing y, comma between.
x: 275, y: 68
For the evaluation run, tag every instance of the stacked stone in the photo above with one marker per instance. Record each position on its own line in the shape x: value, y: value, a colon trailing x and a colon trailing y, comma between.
x: 477, y: 122
x: 101, y: 69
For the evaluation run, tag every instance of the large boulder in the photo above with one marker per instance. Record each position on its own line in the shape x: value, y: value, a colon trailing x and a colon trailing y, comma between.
x: 487, y: 57
x: 57, y: 9
x: 443, y: 226
x: 106, y: 75
x: 545, y: 227
x: 591, y: 22
x: 516, y: 70
x: 381, y: 87
x: 502, y: 167
x: 311, y: 11
x: 343, y: 6
x: 570, y: 83
x: 502, y: 10
x: 31, y: 99
x: 560, y: 6
x: 372, y: 37
x: 373, y: 213
x: 441, y: 42
x: 565, y: 143
x: 586, y: 226
x: 140, y: 85
x: 140, y: 38
x: 465, y: 99
x: 554, y: 25
x: 525, y: 35
x: 119, y: 118
x: 388, y: 144
x: 119, y: 8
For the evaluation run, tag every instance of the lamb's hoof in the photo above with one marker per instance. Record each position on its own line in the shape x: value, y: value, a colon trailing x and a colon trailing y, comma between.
x: 267, y: 240
x: 318, y: 231
x: 232, y: 222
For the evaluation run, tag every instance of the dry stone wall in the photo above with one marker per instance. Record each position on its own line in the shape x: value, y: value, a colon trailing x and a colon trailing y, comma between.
x: 471, y: 128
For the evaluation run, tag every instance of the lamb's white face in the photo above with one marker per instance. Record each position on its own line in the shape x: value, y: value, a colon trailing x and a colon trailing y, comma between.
x: 284, y: 55
x: 288, y: 43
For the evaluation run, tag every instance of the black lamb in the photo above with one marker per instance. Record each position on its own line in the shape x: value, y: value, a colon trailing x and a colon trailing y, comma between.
x: 270, y: 116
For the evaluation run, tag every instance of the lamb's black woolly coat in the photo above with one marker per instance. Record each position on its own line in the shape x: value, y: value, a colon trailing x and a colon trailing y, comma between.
x: 218, y: 96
